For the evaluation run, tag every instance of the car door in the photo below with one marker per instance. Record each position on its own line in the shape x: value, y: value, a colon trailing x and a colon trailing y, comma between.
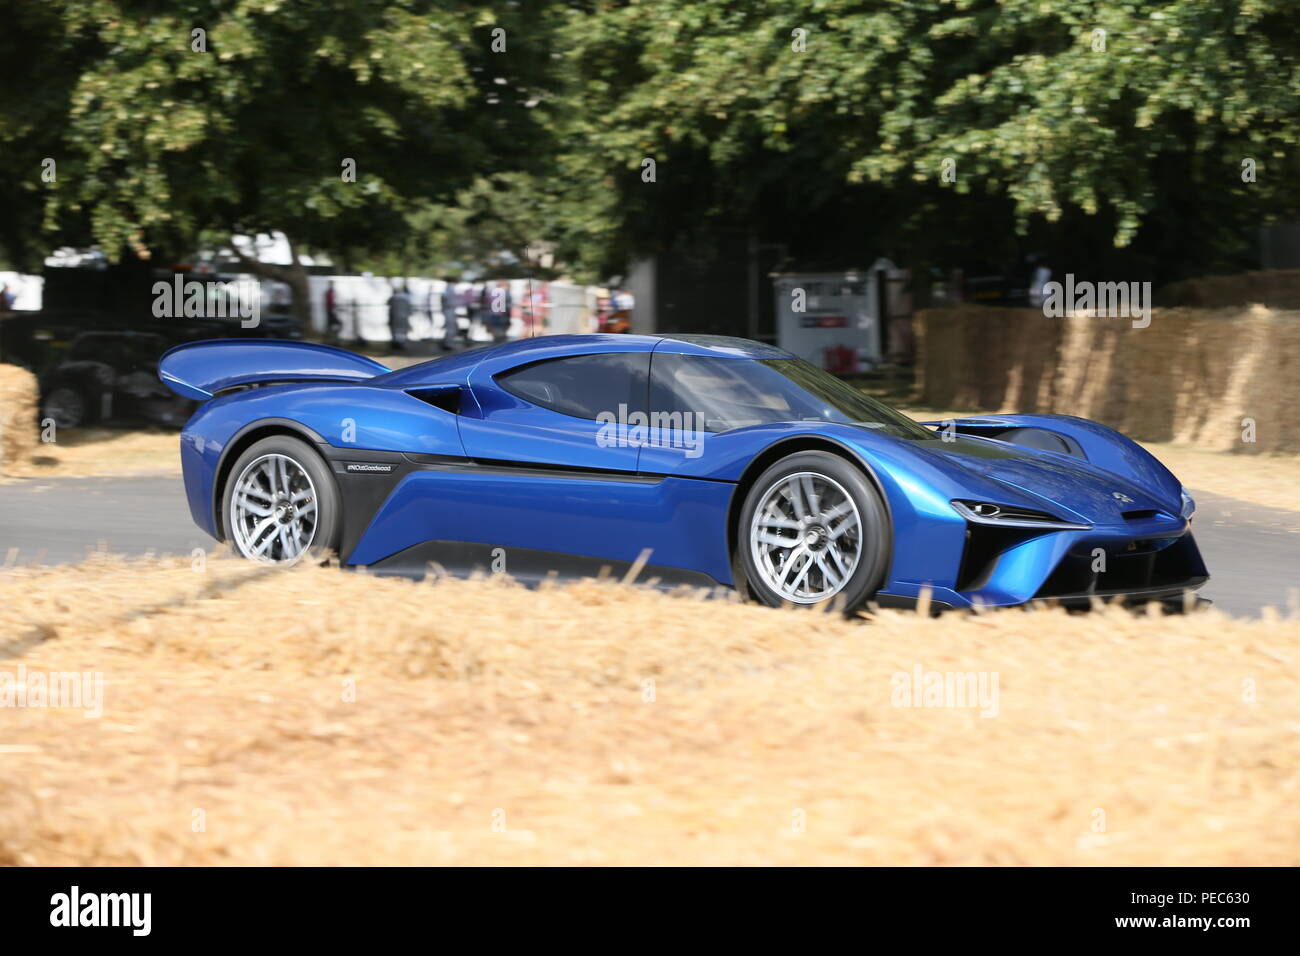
x: 550, y: 481
x: 554, y: 486
x: 565, y: 411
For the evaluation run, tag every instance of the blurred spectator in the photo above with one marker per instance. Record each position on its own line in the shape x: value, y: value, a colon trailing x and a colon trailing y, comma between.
x: 332, y: 324
x: 1038, y: 278
x: 501, y: 304
x: 450, y: 325
x: 6, y: 299
x: 399, y: 317
x: 616, y: 312
x: 534, y: 317
x: 476, y: 306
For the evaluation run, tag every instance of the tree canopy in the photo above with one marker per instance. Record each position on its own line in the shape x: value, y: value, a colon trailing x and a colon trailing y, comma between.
x: 1101, y: 117
x: 1166, y: 130
x: 326, y: 120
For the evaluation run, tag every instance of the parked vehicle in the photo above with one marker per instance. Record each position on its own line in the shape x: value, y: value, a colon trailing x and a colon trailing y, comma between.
x: 100, y: 368
x: 111, y: 376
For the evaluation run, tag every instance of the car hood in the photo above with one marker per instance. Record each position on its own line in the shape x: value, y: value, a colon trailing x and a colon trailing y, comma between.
x: 1071, y: 487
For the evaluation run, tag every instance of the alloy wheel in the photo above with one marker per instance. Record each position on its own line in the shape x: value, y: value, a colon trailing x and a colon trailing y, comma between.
x: 273, y: 510
x: 806, y: 537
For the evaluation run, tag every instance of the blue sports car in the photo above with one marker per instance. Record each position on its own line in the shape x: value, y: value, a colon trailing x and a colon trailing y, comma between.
x: 702, y: 459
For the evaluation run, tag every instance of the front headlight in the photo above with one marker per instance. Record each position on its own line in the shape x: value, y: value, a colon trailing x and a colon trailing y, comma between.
x: 1189, y: 506
x: 1013, y: 516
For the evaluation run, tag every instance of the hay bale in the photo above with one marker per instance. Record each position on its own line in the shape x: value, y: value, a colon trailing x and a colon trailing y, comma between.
x: 1194, y: 375
x: 976, y: 356
x: 19, y: 396
x: 1275, y: 288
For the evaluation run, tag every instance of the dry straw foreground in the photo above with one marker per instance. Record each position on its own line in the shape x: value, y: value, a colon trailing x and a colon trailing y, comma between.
x: 315, y: 716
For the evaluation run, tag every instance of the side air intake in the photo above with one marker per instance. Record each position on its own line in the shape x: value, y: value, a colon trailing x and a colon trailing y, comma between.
x: 447, y: 398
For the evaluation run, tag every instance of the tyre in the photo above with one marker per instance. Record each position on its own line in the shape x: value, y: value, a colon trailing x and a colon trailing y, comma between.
x: 67, y: 407
x: 281, y: 504
x: 813, y: 529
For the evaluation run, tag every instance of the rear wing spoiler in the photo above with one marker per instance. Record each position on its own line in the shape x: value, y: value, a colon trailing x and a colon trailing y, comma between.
x: 199, y: 370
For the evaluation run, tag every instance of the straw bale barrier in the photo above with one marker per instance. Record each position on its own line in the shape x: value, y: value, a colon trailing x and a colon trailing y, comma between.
x: 1194, y: 376
x: 18, y: 427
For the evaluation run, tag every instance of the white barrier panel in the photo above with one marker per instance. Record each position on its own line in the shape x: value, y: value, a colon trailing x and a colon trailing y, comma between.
x: 362, y: 306
x: 26, y: 290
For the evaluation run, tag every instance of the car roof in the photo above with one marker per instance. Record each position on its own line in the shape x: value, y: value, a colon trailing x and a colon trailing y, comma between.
x: 722, y: 346
x: 537, y: 348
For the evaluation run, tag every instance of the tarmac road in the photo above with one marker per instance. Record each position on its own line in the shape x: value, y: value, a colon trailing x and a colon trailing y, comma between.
x: 1253, y: 552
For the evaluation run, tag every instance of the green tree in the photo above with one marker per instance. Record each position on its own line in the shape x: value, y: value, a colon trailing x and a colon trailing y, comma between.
x: 330, y: 121
x: 1104, y: 122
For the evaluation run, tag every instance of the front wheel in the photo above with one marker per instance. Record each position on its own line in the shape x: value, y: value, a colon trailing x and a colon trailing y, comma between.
x: 813, y: 529
x: 281, y: 503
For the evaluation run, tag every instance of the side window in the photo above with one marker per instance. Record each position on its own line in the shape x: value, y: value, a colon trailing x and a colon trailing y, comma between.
x: 716, y: 392
x: 583, y: 386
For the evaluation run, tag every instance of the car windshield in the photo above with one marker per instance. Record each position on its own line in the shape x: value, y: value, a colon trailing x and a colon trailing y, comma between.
x: 732, y: 393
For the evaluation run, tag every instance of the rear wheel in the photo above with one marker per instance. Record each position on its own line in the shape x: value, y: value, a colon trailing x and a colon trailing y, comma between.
x: 813, y: 529
x: 281, y: 503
